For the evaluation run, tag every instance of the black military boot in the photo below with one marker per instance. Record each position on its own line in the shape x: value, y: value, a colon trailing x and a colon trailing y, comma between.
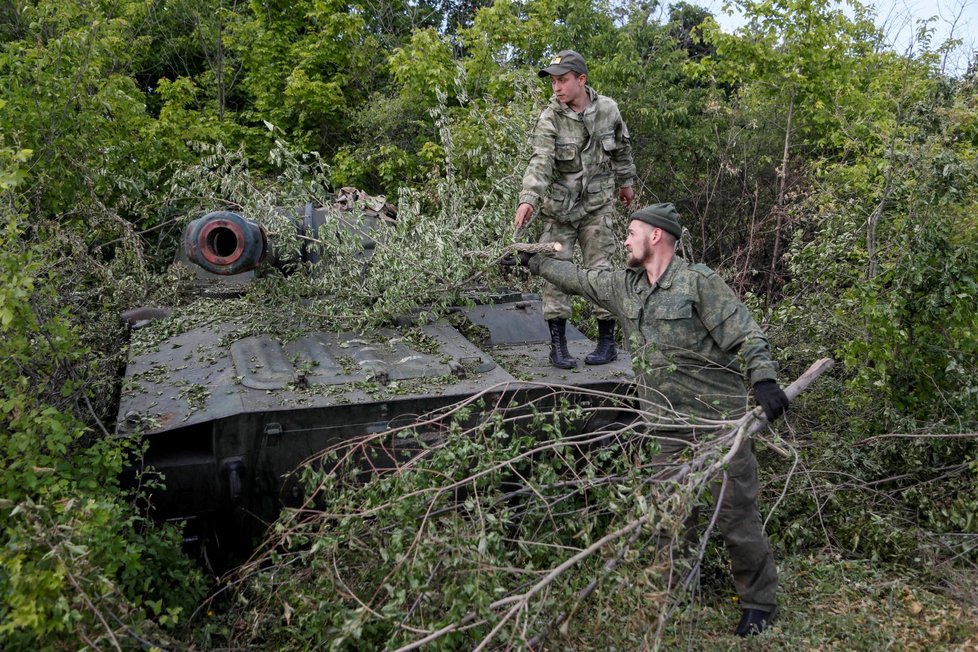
x: 605, y: 351
x: 559, y: 356
x: 754, y: 621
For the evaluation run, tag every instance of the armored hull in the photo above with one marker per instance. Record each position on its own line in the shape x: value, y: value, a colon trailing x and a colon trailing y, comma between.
x: 227, y: 419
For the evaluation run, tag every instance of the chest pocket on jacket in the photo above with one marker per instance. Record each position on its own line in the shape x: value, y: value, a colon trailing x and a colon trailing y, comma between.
x: 676, y: 327
x: 567, y: 158
x: 632, y: 324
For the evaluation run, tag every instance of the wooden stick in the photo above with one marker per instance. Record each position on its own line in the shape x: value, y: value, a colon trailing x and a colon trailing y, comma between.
x: 528, y: 247
x: 536, y: 247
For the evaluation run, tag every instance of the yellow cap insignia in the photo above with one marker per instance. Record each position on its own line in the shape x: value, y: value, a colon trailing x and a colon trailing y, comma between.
x: 555, y: 60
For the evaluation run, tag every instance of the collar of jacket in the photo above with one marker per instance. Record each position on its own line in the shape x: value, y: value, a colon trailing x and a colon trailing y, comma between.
x: 560, y: 107
x: 641, y: 277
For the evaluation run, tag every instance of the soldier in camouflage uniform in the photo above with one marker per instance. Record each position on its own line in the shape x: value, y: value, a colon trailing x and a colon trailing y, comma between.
x: 687, y: 328
x: 581, y: 153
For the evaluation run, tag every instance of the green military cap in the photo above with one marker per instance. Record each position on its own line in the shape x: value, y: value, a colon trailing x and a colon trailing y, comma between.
x: 565, y: 61
x: 663, y: 216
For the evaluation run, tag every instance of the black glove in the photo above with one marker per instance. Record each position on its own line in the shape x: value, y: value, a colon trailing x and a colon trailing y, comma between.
x: 516, y: 258
x: 771, y: 397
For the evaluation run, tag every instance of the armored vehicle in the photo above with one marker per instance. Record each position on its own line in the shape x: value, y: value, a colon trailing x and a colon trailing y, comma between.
x: 227, y: 418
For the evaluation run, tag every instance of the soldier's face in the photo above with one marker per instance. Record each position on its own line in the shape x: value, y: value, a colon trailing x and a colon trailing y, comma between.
x: 638, y: 244
x: 568, y: 87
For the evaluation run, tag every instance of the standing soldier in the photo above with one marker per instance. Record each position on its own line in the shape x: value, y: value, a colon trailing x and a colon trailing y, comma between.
x: 689, y: 329
x: 581, y: 153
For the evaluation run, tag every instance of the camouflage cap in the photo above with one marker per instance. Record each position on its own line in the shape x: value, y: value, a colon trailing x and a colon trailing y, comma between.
x: 565, y: 61
x: 663, y: 216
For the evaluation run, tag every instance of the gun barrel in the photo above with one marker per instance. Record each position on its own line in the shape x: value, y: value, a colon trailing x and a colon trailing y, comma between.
x: 225, y: 243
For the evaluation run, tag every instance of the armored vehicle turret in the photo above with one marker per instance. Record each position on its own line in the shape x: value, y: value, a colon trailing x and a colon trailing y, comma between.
x: 227, y: 418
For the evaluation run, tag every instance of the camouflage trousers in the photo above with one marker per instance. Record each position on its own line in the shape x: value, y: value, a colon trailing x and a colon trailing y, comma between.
x: 598, y: 245
x: 755, y: 575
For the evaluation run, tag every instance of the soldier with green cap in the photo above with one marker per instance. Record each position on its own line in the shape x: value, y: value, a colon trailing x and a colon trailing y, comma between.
x: 581, y: 154
x: 687, y: 329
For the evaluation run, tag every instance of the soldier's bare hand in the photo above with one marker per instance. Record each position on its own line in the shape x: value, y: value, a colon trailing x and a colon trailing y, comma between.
x: 626, y: 195
x: 523, y: 214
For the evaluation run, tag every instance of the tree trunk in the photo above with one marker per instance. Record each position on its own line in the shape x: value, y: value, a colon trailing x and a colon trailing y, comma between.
x: 779, y: 203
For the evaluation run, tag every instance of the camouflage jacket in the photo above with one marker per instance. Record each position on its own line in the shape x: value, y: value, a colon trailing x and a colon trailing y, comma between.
x: 685, y: 332
x: 578, y: 159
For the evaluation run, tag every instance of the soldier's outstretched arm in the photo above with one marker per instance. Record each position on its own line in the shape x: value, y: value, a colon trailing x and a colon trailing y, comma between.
x: 600, y: 286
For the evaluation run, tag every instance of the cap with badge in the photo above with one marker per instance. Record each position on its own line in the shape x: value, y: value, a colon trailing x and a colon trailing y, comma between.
x: 565, y: 61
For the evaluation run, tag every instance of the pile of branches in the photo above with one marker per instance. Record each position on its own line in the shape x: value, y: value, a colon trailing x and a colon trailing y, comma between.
x: 492, y: 525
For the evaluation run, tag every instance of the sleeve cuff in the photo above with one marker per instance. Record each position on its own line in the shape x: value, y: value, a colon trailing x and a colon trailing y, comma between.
x: 758, y: 375
x: 540, y: 263
x: 534, y: 263
x: 530, y: 198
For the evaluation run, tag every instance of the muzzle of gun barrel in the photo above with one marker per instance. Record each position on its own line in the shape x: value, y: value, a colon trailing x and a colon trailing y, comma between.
x: 225, y: 243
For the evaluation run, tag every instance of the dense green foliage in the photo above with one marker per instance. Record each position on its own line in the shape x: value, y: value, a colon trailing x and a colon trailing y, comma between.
x: 832, y: 181
x: 76, y: 550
